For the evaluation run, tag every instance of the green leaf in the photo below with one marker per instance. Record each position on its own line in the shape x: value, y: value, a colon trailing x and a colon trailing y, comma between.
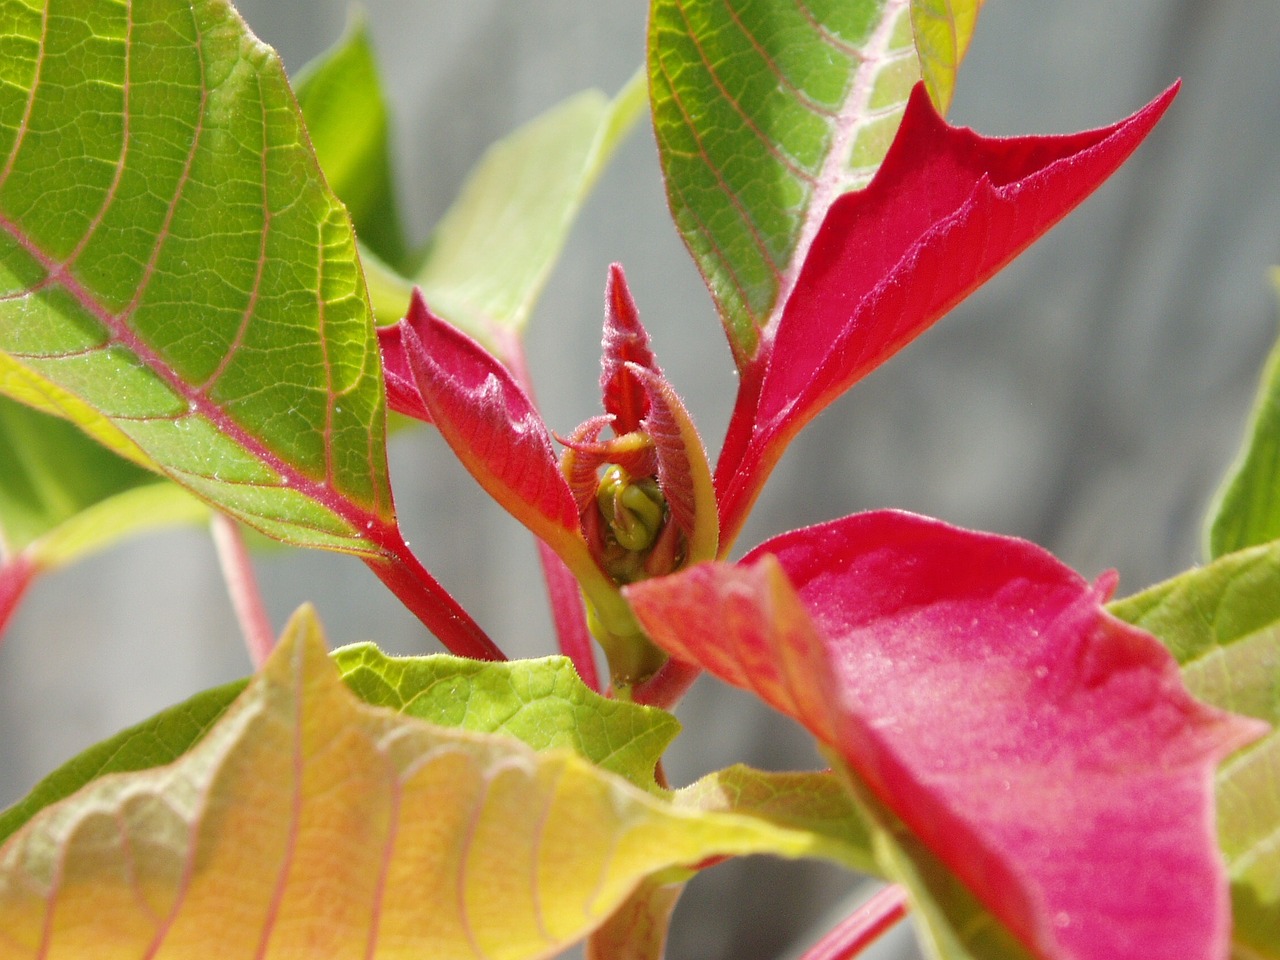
x: 765, y: 113
x: 540, y: 702
x: 1222, y: 622
x: 152, y: 743
x: 490, y: 256
x: 816, y: 802
x: 943, y: 29
x: 176, y: 277
x: 342, y: 101
x: 442, y: 843
x: 1247, y: 510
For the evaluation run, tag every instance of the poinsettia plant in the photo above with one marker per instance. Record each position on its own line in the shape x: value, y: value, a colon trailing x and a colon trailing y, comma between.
x: 210, y: 308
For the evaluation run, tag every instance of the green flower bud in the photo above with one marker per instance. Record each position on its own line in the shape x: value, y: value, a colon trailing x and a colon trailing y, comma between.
x: 634, y: 510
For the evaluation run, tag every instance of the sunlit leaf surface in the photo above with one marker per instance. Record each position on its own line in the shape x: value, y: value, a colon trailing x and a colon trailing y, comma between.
x: 175, y: 276
x: 307, y: 823
x: 539, y: 702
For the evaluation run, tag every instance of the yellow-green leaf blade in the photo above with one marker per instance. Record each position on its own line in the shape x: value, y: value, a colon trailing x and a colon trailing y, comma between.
x: 943, y: 29
x: 308, y: 823
x: 176, y: 277
x: 816, y: 802
x: 540, y: 702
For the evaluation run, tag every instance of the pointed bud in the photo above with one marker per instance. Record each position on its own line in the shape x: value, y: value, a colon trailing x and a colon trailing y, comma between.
x: 625, y: 342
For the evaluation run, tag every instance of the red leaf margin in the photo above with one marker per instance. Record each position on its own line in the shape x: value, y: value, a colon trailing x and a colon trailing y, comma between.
x: 947, y: 209
x: 1046, y: 752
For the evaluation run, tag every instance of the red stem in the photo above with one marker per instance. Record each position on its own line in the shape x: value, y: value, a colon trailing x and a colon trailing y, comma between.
x: 567, y: 611
x: 16, y: 574
x: 665, y: 688
x: 431, y: 603
x: 242, y: 586
x: 861, y: 928
x: 733, y: 500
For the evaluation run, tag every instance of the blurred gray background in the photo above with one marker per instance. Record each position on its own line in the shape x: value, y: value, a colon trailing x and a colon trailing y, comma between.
x: 1088, y: 398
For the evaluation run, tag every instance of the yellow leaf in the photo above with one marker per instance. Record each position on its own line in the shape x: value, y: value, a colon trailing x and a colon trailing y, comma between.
x: 310, y: 824
x: 943, y: 29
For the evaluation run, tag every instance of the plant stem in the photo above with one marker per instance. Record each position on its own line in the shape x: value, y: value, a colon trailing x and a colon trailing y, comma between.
x: 242, y: 585
x: 665, y: 688
x: 567, y: 611
x: 863, y: 927
x: 431, y: 603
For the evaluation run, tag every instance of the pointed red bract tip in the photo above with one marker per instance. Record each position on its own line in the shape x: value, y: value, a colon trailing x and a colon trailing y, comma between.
x: 625, y: 341
x: 947, y: 209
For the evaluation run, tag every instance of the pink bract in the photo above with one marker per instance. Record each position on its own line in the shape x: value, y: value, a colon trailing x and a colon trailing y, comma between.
x: 1047, y: 753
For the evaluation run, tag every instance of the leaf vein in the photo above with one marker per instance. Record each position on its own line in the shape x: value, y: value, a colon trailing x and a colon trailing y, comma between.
x: 25, y: 122
x: 729, y: 193
x: 769, y: 144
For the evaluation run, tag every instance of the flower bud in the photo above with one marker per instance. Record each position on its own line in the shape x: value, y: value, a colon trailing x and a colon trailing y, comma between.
x: 634, y: 509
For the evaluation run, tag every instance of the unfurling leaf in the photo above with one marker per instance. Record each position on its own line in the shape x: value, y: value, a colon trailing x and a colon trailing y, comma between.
x: 625, y: 342
x: 489, y: 422
x: 976, y: 686
x: 307, y: 823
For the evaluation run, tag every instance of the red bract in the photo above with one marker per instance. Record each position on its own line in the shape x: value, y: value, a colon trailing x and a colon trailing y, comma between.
x: 947, y: 209
x: 1046, y: 752
x: 490, y: 423
x: 402, y: 389
x: 655, y: 513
